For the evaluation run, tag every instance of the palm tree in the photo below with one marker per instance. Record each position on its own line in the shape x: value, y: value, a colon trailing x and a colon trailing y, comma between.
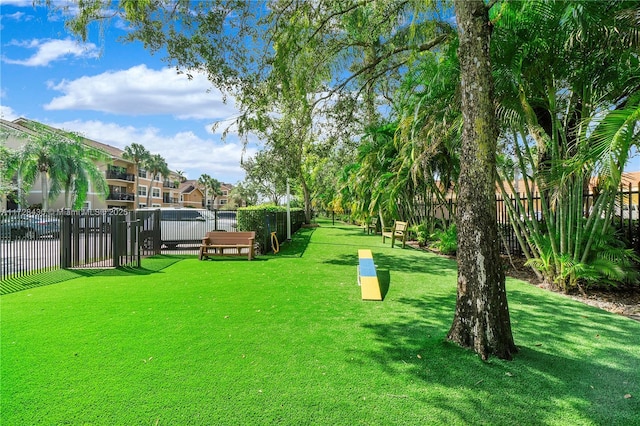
x: 156, y: 166
x: 216, y: 191
x: 367, y: 184
x: 45, y: 154
x: 8, y: 166
x: 138, y: 154
x: 204, y: 180
x: 81, y: 170
x: 181, y: 176
x: 569, y: 96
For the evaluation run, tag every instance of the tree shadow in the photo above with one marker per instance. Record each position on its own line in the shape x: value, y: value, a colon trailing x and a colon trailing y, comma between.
x: 418, y: 263
x: 151, y: 265
x: 553, y: 364
x: 298, y: 244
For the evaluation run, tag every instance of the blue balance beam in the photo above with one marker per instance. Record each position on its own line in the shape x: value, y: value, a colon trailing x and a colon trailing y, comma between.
x: 367, y: 276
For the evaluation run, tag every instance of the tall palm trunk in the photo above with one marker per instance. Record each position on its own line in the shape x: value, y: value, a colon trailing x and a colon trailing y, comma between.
x: 135, y: 189
x: 149, y: 191
x: 44, y: 180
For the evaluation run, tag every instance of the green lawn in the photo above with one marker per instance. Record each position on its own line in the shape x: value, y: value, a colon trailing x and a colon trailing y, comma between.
x: 286, y: 339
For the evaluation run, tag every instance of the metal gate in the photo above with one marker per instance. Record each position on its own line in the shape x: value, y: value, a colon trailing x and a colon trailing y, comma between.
x: 107, y: 239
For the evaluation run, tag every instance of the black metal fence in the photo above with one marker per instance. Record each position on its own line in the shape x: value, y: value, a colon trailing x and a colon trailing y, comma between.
x: 625, y: 218
x: 277, y: 222
x: 33, y: 241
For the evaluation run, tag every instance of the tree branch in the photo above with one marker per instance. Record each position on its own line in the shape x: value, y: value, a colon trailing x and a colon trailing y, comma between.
x: 421, y: 48
x: 333, y: 15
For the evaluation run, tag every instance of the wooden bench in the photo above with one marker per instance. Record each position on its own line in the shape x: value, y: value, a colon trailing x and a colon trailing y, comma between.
x: 219, y: 243
x: 398, y: 232
x: 370, y: 225
x: 368, y: 277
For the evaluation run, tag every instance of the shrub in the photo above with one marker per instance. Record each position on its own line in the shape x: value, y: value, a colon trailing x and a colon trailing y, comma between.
x: 422, y: 234
x: 265, y: 219
x: 446, y: 241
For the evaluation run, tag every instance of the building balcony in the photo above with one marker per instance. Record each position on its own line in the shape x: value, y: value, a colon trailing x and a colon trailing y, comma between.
x: 170, y: 200
x: 121, y: 196
x: 111, y: 174
x: 169, y: 184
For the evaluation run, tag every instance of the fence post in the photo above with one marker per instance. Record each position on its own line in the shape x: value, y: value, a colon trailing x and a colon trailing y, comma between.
x: 65, y: 241
x: 157, y: 232
x: 116, y: 234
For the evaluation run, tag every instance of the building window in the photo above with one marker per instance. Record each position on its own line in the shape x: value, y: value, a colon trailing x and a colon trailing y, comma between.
x: 223, y: 202
x: 142, y: 205
x: 86, y: 205
x: 157, y: 178
x: 155, y: 192
x: 155, y: 205
x: 142, y: 173
x: 142, y: 190
x: 225, y: 192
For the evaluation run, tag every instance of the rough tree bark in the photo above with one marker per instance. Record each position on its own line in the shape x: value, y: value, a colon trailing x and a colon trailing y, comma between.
x: 481, y: 319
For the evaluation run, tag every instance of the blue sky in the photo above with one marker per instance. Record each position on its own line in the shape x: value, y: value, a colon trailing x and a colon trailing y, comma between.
x: 112, y: 92
x: 116, y: 93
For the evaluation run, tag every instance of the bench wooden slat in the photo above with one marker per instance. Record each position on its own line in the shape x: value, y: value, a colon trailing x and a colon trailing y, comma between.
x: 215, y: 243
x: 398, y: 232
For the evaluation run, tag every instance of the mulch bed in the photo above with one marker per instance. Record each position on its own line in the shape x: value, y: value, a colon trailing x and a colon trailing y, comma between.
x: 619, y: 300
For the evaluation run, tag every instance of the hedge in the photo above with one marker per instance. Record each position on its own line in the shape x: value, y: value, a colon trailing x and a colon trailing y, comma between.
x: 267, y: 219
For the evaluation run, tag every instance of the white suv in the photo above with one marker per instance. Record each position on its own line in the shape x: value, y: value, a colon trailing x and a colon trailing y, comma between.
x: 184, y: 225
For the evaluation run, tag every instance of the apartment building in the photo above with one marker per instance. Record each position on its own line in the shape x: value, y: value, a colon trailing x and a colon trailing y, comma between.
x: 224, y: 199
x: 191, y: 195
x: 129, y: 187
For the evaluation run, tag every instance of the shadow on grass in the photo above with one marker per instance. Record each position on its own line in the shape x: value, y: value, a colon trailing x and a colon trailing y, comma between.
x: 298, y: 244
x: 150, y: 265
x: 384, y: 279
x: 294, y: 248
x: 568, y: 353
x: 396, y: 262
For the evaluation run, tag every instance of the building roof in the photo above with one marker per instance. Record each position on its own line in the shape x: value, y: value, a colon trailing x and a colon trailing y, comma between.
x: 15, y: 126
x: 188, y: 186
x: 115, y: 153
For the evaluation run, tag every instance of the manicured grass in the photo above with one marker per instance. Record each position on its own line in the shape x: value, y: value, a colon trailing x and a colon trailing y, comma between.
x: 286, y: 339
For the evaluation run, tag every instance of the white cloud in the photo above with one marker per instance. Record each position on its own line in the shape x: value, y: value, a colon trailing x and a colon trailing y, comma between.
x: 50, y: 50
x: 15, y: 16
x: 143, y: 91
x: 7, y: 113
x: 18, y: 3
x: 183, y: 151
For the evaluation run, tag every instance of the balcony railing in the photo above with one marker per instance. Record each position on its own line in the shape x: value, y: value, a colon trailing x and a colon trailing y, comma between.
x: 169, y: 184
x: 170, y: 200
x: 121, y: 196
x: 111, y: 174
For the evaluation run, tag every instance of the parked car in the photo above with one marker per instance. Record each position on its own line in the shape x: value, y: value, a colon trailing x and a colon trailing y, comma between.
x: 227, y: 220
x: 29, y: 227
x: 188, y: 226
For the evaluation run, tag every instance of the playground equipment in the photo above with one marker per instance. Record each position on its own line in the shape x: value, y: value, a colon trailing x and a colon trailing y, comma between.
x: 367, y: 276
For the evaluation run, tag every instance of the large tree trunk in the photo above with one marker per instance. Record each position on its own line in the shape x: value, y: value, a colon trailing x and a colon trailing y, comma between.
x: 481, y: 319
